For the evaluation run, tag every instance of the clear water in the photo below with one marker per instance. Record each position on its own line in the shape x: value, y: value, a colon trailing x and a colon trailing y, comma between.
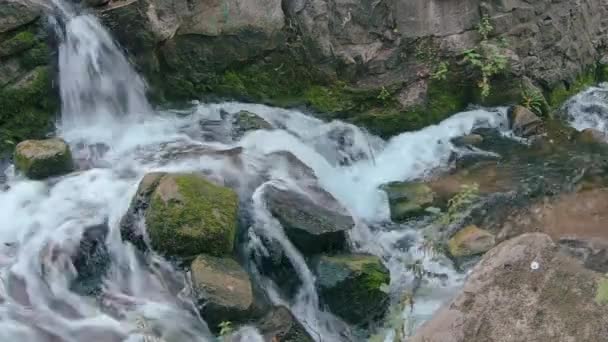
x: 117, y: 137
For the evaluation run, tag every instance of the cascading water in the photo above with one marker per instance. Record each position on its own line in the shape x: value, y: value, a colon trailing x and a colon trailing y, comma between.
x: 589, y: 109
x: 117, y: 137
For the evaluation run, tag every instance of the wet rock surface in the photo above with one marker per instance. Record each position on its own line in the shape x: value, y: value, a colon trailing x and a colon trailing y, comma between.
x: 352, y: 286
x: 223, y: 289
x: 312, y: 224
x: 39, y: 159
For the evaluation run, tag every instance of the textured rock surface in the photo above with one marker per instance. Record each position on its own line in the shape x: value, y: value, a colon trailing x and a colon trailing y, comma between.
x: 313, y: 225
x: 39, y: 159
x: 297, y: 51
x: 524, y: 123
x: 351, y: 286
x: 223, y: 289
x: 281, y: 326
x: 470, y: 241
x: 185, y: 215
x: 507, y: 299
x: 408, y: 199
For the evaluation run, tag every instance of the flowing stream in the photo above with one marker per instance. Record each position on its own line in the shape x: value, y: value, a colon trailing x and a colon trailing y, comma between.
x: 117, y: 137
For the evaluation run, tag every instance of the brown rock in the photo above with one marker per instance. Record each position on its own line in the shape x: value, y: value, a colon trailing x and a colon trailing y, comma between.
x: 523, y: 290
x: 470, y: 241
x: 592, y: 136
x: 524, y: 123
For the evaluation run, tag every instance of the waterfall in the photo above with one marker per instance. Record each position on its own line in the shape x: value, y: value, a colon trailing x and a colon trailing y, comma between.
x: 117, y: 137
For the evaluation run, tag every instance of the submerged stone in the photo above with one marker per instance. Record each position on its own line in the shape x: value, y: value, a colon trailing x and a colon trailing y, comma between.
x: 466, y: 140
x: 592, y: 136
x: 352, y: 286
x: 407, y: 199
x: 470, y: 241
x: 223, y: 290
x: 313, y: 226
x: 245, y: 121
x: 39, y: 159
x: 280, y: 325
x: 91, y: 260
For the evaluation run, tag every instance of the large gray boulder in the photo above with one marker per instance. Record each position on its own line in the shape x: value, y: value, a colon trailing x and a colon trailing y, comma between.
x: 280, y: 325
x: 314, y: 223
x: 14, y: 14
x: 524, y: 290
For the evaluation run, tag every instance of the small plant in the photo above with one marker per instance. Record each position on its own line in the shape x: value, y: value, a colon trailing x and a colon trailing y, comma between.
x: 484, y: 28
x: 487, y: 57
x: 533, y: 100
x: 384, y: 95
x: 460, y: 202
x: 441, y: 72
x: 226, y: 328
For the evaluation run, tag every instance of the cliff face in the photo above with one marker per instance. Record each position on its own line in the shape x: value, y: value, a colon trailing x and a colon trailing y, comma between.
x: 370, y: 61
x: 391, y: 65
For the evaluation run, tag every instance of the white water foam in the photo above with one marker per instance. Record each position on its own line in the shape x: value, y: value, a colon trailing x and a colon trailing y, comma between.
x: 117, y: 138
x: 589, y: 109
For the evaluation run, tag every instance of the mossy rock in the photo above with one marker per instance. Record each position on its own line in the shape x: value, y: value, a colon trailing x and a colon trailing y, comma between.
x: 27, y: 108
x: 564, y: 90
x: 188, y: 215
x: 352, y: 286
x: 408, y: 199
x: 19, y: 43
x: 223, y: 290
x: 470, y: 241
x: 39, y: 159
x: 245, y: 121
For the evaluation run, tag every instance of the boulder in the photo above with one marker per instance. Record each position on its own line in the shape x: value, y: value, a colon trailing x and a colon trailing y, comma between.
x: 280, y: 325
x: 352, y: 286
x: 223, y: 290
x: 592, y: 136
x: 407, y: 199
x: 96, y: 3
x: 185, y: 215
x: 315, y: 223
x: 523, y: 290
x: 39, y: 159
x: 524, y: 123
x: 470, y: 241
x: 245, y: 121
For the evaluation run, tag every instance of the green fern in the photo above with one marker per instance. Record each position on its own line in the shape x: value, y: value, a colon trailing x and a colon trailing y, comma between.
x: 533, y: 100
x: 468, y: 195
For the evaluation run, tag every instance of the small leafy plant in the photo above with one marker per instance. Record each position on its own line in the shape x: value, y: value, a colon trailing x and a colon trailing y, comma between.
x: 487, y: 58
x: 226, y: 328
x: 532, y: 99
x: 468, y: 194
x: 384, y: 95
x: 441, y: 72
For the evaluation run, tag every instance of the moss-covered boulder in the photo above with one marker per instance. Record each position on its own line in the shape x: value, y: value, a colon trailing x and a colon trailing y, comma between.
x: 223, y: 290
x: 314, y: 224
x: 245, y: 121
x: 524, y: 123
x: 408, y: 199
x: 279, y: 325
x: 39, y: 159
x: 187, y: 215
x: 352, y: 286
x: 470, y: 241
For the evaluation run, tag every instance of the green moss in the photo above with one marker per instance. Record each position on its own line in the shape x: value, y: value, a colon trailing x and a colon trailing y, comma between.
x: 26, y: 112
x: 445, y: 97
x: 188, y: 215
x: 36, y: 56
x: 20, y: 42
x: 39, y: 159
x: 601, y: 296
x: 563, y: 91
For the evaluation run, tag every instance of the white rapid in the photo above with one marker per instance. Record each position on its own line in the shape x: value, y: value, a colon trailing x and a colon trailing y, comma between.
x: 117, y: 137
x: 589, y: 109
